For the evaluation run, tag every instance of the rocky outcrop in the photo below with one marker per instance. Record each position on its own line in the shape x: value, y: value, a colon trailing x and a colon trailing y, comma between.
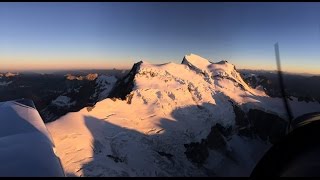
x: 124, y: 86
x: 253, y: 124
x: 89, y: 77
x: 79, y: 98
x: 259, y: 81
x: 257, y: 123
x: 198, y: 152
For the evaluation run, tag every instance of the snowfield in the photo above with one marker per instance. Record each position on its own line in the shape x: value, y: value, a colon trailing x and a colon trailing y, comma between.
x: 5, y: 83
x: 104, y: 86
x: 63, y: 101
x: 169, y: 106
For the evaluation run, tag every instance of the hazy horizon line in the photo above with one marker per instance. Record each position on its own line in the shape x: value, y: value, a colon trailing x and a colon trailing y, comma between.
x: 61, y: 70
x: 127, y: 69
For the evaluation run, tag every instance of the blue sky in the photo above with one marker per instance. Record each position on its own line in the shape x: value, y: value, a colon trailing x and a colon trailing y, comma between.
x: 106, y: 35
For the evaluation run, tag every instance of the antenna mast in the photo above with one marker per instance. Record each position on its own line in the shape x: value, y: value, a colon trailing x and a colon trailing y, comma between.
x: 283, y: 93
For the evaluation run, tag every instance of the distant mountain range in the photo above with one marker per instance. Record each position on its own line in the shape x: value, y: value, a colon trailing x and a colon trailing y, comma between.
x: 57, y: 94
x: 275, y: 72
x: 305, y: 88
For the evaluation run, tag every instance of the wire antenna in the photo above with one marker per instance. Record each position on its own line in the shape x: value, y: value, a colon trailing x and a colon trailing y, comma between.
x: 281, y: 83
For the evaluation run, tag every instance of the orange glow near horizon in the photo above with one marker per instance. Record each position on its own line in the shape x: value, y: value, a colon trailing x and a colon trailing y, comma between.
x: 38, y: 64
x: 19, y: 64
x: 306, y: 69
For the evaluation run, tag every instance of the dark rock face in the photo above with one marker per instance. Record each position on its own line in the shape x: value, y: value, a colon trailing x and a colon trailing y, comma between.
x: 26, y: 102
x: 124, y: 86
x: 271, y: 88
x: 299, y: 121
x: 216, y: 140
x: 129, y: 98
x: 267, y: 126
x: 254, y: 124
x: 243, y: 124
x: 192, y: 67
x: 302, y: 87
x: 42, y: 89
x: 306, y: 99
x: 81, y: 97
x: 217, y: 137
x: 197, y: 152
x: 231, y: 79
x: 116, y: 159
x: 241, y: 117
x: 167, y: 155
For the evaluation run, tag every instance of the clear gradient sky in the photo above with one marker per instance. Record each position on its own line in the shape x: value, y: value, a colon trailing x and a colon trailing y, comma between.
x: 37, y: 36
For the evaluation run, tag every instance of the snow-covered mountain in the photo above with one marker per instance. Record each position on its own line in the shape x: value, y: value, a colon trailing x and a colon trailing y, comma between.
x: 5, y: 83
x: 196, y: 118
x: 6, y: 78
x: 89, y: 77
x: 8, y: 74
x: 79, y: 94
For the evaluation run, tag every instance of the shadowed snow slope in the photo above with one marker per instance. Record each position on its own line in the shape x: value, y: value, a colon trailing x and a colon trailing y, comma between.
x: 171, y: 107
x: 104, y: 86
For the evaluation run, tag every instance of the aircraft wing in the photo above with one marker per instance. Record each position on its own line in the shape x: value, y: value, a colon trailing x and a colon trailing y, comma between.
x: 26, y: 147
